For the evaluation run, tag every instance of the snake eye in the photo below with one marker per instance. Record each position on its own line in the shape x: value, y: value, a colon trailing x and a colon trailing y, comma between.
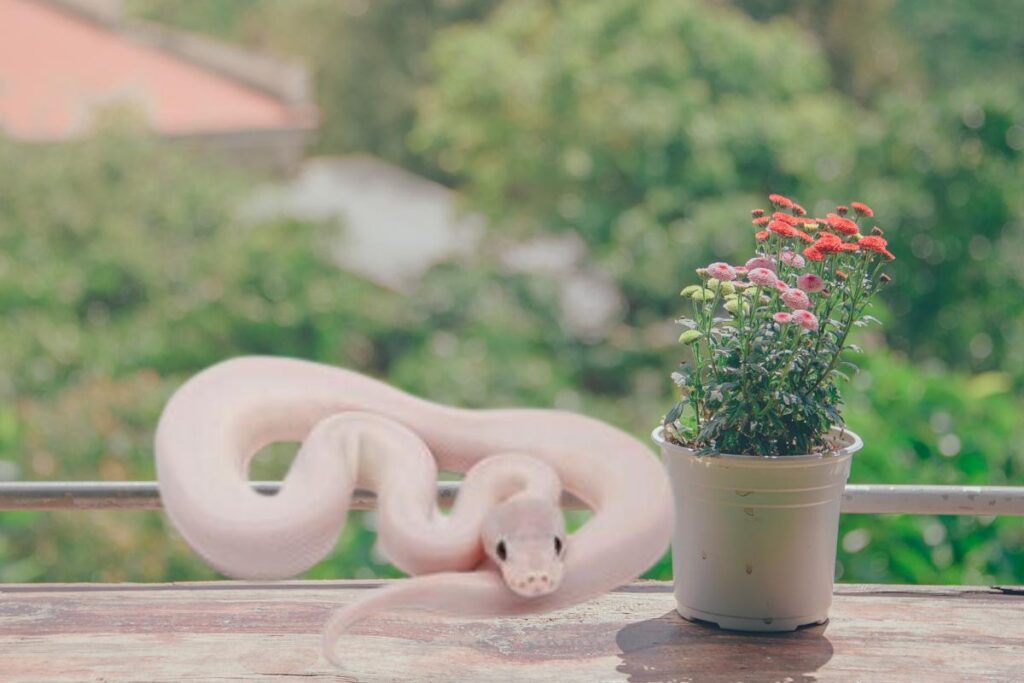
x: 501, y: 551
x: 558, y: 545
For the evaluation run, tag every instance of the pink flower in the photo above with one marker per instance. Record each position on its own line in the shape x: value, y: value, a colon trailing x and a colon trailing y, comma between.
x: 806, y: 320
x: 783, y: 318
x: 793, y: 259
x: 761, y: 276
x: 809, y: 282
x: 721, y: 271
x: 781, y: 286
x: 761, y: 262
x: 795, y: 298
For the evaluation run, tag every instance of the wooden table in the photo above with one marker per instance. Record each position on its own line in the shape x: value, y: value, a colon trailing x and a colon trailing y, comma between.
x: 230, y: 631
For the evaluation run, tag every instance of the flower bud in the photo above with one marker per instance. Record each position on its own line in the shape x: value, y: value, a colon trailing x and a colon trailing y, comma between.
x: 757, y: 213
x: 703, y: 295
x: 735, y: 306
x: 885, y: 278
x: 689, y: 336
x: 689, y: 291
x: 842, y: 210
x: 877, y: 231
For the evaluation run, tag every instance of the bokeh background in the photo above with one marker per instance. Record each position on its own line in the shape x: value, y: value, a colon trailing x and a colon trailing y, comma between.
x: 493, y: 203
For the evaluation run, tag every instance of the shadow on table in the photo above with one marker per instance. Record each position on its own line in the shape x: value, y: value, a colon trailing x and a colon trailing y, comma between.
x: 670, y: 648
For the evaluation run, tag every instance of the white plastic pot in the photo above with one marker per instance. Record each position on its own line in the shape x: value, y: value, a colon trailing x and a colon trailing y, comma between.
x: 754, y: 544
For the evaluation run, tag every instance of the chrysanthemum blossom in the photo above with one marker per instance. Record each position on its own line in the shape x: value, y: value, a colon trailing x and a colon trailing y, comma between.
x: 806, y: 320
x: 761, y: 221
x: 787, y: 218
x: 828, y: 244
x: 783, y: 317
x: 814, y: 254
x: 760, y: 262
x: 762, y: 235
x: 781, y: 286
x: 874, y: 243
x: 862, y: 209
x: 779, y: 200
x: 809, y: 282
x: 721, y: 271
x: 783, y: 229
x: 761, y: 276
x: 877, y: 244
x: 795, y: 298
x: 840, y: 224
x: 792, y: 259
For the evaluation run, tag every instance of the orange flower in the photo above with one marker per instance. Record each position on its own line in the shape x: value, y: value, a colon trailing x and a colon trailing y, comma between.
x: 850, y: 246
x: 829, y: 244
x: 874, y: 243
x: 787, y: 219
x: 783, y: 229
x: 862, y: 209
x: 814, y: 254
x: 761, y: 221
x: 779, y: 200
x: 762, y: 235
x: 840, y: 224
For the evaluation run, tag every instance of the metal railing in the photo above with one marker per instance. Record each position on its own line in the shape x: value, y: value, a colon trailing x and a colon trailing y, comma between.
x: 857, y: 499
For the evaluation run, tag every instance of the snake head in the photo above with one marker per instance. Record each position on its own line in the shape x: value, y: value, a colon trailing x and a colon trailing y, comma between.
x: 525, y: 537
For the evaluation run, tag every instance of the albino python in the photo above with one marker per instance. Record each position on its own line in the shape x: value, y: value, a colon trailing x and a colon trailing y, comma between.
x: 501, y: 551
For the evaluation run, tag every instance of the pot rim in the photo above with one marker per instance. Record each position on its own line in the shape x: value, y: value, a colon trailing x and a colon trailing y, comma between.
x: 850, y: 440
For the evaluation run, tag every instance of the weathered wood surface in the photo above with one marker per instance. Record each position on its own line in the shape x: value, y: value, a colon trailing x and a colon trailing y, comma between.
x: 270, y: 632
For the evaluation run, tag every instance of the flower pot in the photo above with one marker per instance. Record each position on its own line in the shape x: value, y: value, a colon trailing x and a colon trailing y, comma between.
x: 754, y: 543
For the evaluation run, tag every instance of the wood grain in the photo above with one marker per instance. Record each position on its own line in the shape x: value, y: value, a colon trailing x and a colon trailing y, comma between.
x: 232, y: 631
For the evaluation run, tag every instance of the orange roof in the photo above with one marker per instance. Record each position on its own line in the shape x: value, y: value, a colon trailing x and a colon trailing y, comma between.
x: 56, y: 69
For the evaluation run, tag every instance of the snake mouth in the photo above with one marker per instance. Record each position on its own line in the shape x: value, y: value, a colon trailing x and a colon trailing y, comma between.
x: 532, y: 584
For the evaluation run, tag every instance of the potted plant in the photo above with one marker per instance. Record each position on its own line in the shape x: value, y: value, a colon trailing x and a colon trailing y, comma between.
x: 756, y: 447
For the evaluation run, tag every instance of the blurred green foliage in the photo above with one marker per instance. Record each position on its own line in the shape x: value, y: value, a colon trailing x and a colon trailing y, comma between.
x: 647, y: 128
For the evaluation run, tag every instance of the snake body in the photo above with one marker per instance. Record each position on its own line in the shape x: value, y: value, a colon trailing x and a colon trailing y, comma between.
x: 492, y: 556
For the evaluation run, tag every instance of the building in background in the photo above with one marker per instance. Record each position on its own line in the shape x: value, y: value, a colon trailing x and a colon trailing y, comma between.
x: 63, y: 63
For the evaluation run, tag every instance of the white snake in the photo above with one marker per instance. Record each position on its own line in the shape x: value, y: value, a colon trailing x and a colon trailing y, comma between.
x: 359, y: 432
